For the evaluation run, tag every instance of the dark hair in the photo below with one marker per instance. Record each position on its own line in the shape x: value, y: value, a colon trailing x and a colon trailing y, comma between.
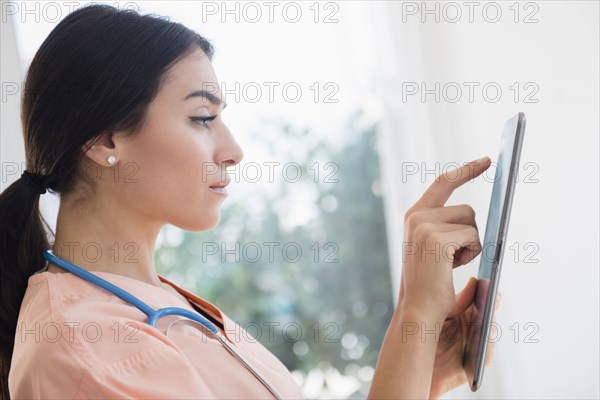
x: 96, y: 72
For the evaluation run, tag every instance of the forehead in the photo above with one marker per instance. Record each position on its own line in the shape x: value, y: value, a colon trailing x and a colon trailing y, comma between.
x: 191, y: 73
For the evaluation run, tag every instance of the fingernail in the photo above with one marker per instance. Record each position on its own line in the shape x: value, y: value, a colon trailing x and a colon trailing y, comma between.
x: 482, y: 160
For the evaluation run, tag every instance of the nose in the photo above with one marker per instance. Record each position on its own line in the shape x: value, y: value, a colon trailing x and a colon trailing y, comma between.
x: 230, y: 152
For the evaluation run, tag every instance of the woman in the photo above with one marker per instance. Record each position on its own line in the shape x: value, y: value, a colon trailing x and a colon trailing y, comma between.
x: 117, y: 119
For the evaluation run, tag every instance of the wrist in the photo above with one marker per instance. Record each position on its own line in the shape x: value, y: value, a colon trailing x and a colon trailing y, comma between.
x: 408, y: 311
x: 405, y: 364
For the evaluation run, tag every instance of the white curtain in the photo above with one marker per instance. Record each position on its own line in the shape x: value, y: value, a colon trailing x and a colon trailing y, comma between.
x: 550, y: 274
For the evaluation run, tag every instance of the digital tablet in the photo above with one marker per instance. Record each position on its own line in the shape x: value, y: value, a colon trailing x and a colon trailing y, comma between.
x: 505, y: 179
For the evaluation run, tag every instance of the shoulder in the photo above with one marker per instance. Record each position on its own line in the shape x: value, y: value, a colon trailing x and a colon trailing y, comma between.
x: 74, y: 343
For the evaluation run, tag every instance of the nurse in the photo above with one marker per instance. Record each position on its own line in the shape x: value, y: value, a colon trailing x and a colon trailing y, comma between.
x: 118, y: 118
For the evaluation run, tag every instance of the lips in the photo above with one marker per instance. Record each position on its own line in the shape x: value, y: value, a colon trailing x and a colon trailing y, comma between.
x: 219, y: 187
x: 221, y: 184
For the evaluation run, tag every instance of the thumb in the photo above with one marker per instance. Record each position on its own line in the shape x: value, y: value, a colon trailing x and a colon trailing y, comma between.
x: 464, y: 299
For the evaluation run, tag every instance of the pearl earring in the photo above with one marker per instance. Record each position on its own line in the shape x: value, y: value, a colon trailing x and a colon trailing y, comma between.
x: 111, y: 159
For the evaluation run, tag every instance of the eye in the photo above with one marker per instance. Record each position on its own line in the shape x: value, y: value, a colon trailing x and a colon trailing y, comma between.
x: 203, y: 121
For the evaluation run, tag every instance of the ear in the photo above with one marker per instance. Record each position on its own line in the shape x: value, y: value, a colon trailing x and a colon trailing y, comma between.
x: 99, y: 148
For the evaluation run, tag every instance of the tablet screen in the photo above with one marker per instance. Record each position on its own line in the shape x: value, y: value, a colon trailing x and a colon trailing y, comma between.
x: 492, y: 239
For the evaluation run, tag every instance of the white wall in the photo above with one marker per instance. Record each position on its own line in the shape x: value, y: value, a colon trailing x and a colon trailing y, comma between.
x: 558, y: 214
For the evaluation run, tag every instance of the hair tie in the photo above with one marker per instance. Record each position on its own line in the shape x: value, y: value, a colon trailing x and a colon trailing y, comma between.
x: 35, y: 181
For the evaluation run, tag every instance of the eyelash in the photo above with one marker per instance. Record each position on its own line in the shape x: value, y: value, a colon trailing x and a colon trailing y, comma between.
x: 203, y: 121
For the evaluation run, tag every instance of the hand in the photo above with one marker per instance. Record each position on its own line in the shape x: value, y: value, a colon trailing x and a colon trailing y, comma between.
x: 406, y: 362
x: 436, y: 240
x: 448, y: 370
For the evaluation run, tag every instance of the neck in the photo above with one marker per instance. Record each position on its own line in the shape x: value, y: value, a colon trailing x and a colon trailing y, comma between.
x: 106, y: 237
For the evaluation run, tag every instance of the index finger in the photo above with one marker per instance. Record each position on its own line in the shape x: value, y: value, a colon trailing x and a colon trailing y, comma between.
x: 440, y: 191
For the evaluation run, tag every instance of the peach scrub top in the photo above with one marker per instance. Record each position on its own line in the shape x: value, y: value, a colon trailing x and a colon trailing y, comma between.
x: 76, y: 340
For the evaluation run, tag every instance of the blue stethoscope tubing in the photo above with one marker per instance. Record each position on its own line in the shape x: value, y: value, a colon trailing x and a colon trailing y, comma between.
x: 155, y: 315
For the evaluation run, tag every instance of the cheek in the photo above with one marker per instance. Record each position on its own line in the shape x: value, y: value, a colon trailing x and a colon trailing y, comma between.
x: 171, y: 186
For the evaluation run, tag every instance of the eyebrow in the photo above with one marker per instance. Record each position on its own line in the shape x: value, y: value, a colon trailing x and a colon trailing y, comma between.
x: 208, y: 96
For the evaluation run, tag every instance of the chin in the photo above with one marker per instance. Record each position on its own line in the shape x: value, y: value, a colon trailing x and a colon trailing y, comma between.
x: 201, y: 222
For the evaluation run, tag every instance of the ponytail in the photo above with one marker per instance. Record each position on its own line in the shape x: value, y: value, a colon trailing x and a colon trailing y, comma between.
x: 22, y: 242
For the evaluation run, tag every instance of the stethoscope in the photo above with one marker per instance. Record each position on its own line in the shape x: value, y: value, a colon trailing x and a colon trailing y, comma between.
x: 155, y: 315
